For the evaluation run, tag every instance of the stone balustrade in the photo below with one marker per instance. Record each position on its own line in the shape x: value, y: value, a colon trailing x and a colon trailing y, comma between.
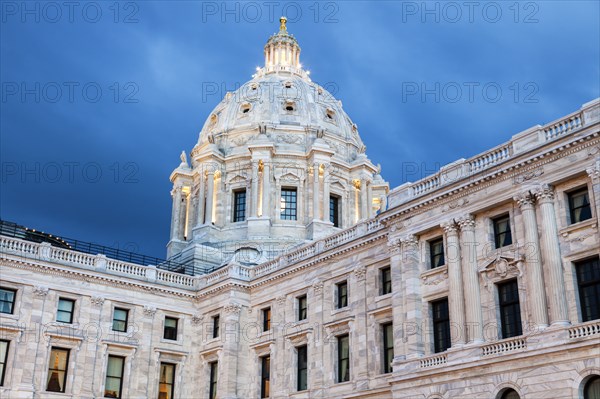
x: 504, y: 346
x: 436, y: 360
x: 585, y: 330
x: 527, y: 140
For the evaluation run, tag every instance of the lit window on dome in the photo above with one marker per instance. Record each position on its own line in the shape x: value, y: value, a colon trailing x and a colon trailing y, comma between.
x: 288, y: 85
x: 245, y: 108
x: 329, y: 113
x: 290, y: 106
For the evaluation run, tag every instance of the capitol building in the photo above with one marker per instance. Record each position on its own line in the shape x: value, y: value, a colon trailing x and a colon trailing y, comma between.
x: 294, y: 270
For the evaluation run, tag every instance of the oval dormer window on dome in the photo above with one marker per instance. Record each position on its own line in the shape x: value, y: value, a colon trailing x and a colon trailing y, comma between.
x: 289, y: 106
x: 245, y: 108
x: 330, y: 114
x: 287, y: 85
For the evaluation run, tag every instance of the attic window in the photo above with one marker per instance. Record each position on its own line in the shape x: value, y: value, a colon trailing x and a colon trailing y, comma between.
x: 288, y: 85
x: 329, y: 113
x: 245, y: 108
x: 254, y: 86
x: 290, y: 106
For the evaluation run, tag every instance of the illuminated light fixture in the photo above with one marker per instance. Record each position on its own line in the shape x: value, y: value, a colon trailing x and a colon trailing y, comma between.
x: 258, y: 68
x: 308, y: 72
x: 299, y: 65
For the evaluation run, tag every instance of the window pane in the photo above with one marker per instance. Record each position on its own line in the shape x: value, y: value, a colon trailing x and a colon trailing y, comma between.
x: 167, y: 379
x: 334, y: 211
x: 579, y: 204
x: 588, y: 281
x: 510, y: 309
x: 239, y: 206
x: 343, y: 358
x: 114, y: 376
x: 288, y: 204
x: 7, y: 300
x: 120, y: 320
x: 3, y: 358
x: 57, y: 370
x: 502, y: 233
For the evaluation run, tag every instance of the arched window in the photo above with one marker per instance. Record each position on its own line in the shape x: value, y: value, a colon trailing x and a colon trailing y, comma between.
x: 510, y: 394
x: 592, y: 388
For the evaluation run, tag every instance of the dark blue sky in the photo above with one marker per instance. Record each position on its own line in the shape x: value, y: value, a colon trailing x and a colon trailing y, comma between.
x: 98, y: 101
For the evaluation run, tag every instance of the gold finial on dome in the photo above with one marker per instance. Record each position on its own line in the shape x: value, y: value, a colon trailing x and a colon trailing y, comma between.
x: 282, y: 27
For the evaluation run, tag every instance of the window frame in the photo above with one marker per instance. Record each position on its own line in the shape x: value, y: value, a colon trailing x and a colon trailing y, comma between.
x: 71, y: 313
x: 497, y: 234
x: 4, y: 361
x: 266, y: 319
x: 172, y: 384
x: 334, y: 210
x: 175, y: 329
x: 265, y: 376
x: 301, y: 368
x: 239, y: 208
x: 570, y: 194
x: 594, y: 284
x: 216, y: 320
x: 302, y: 310
x: 387, y: 356
x: 444, y: 342
x: 12, y: 303
x: 509, y: 308
x: 126, y: 321
x: 66, y: 370
x: 341, y: 297
x: 385, y: 283
x: 213, y: 379
x: 293, y: 211
x: 123, y: 358
x: 437, y: 255
x: 341, y: 358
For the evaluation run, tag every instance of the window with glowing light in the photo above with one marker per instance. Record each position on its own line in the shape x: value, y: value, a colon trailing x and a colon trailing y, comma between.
x: 288, y: 204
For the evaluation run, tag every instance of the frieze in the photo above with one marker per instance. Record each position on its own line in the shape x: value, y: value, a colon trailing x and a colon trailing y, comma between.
x: 500, y: 268
x: 529, y: 175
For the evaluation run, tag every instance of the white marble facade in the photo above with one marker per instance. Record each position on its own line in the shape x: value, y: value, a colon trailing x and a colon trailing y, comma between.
x: 529, y: 179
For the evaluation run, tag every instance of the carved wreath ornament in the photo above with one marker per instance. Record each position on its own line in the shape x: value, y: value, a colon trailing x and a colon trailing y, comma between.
x: 501, y: 268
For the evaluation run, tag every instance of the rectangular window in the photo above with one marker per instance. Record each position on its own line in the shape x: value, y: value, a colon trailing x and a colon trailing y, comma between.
x: 588, y: 282
x: 388, y: 346
x: 302, y: 308
x: 64, y: 314
x: 343, y: 352
x: 334, y: 210
x: 342, y: 295
x: 214, y: 368
x: 215, y: 325
x: 3, y: 357
x: 57, y: 370
x: 441, y: 325
x: 502, y: 233
x: 171, y: 328
x: 510, y: 309
x: 120, y: 318
x: 7, y: 300
x: 288, y: 204
x: 265, y: 376
x: 239, y: 205
x: 302, y: 380
x: 385, y: 275
x: 114, y: 377
x: 266, y: 319
x: 579, y: 205
x: 436, y: 253
x: 166, y: 385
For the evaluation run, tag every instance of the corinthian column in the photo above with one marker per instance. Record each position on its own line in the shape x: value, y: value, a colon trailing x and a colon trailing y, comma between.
x: 266, y: 204
x: 535, y: 277
x: 455, y: 284
x: 402, y: 327
x: 412, y: 295
x: 176, y: 213
x: 468, y: 247
x: 316, y: 213
x: 200, y: 204
x: 210, y: 183
x: 594, y: 173
x: 551, y: 256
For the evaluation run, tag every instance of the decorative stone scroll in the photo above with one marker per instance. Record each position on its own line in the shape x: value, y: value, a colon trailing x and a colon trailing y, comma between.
x: 501, y: 268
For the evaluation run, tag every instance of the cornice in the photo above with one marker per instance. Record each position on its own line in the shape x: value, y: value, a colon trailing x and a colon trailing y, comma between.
x: 88, y: 277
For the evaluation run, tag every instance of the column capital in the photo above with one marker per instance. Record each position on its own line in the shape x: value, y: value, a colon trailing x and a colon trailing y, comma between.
x: 594, y: 171
x: 450, y: 227
x: 409, y: 240
x: 544, y: 193
x: 394, y: 245
x: 524, y: 199
x: 466, y: 222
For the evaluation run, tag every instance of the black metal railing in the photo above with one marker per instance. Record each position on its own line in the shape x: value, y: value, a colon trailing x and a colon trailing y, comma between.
x: 11, y: 229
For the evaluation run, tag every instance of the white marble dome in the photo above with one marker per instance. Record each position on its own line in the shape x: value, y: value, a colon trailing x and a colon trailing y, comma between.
x: 278, y: 163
